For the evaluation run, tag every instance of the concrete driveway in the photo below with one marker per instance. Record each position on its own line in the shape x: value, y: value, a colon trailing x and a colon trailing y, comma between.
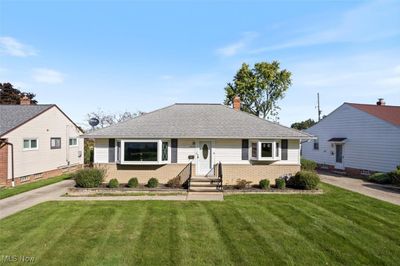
x: 28, y: 199
x: 373, y: 190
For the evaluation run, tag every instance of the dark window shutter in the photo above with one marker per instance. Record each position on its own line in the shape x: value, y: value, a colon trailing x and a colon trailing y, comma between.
x: 284, y: 148
x: 245, y: 149
x: 111, y: 150
x: 174, y: 150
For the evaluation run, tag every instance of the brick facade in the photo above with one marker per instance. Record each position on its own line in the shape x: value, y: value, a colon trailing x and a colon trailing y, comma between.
x: 3, y: 164
x: 43, y: 175
x: 231, y: 172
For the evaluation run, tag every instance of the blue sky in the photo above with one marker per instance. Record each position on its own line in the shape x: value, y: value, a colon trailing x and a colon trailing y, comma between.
x: 137, y: 55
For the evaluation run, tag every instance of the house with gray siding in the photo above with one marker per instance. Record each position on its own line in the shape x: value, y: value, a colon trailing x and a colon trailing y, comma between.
x: 164, y: 142
x: 357, y: 139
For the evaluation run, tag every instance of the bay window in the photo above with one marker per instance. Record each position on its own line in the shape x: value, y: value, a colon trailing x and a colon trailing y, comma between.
x: 265, y: 150
x: 142, y: 151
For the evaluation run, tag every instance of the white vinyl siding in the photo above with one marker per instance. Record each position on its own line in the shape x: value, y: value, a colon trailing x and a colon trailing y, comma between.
x: 372, y: 144
x: 101, y: 151
x: 51, y: 123
x: 186, y: 148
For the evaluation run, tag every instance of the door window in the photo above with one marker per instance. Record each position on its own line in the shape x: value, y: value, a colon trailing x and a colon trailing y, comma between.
x: 339, y: 153
x: 205, y: 151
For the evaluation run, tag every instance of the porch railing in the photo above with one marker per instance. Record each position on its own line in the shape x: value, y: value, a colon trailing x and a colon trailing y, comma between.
x: 185, y: 175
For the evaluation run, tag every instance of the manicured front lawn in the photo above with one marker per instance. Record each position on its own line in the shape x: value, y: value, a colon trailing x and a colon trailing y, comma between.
x: 338, y: 227
x: 11, y: 191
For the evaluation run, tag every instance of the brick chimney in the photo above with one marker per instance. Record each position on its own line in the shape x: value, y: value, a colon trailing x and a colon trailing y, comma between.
x: 25, y: 100
x: 380, y: 101
x: 236, y: 103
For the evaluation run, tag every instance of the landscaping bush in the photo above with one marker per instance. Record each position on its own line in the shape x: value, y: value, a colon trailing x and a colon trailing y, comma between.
x: 242, y: 183
x: 264, y: 184
x: 152, y: 183
x: 280, y: 183
x: 133, y: 182
x: 304, y: 180
x: 174, y: 182
x: 113, y: 183
x: 395, y: 176
x: 380, y: 178
x: 308, y: 165
x: 89, y: 177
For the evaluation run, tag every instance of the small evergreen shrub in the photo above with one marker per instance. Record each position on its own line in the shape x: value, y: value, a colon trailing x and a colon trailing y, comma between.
x: 308, y: 165
x: 89, y: 177
x: 264, y: 184
x: 280, y: 183
x: 304, y: 180
x: 242, y: 183
x: 174, y: 182
x: 133, y: 182
x: 113, y: 183
x: 380, y: 178
x: 395, y: 176
x: 152, y: 183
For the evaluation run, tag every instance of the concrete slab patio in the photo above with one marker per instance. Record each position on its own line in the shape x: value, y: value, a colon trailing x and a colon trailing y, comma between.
x: 360, y: 186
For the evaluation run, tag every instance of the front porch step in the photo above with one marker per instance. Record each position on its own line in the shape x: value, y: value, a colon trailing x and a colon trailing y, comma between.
x: 204, y: 189
x: 202, y: 184
x: 204, y: 179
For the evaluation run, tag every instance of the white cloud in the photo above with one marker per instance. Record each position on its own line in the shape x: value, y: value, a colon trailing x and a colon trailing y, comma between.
x: 166, y: 77
x: 10, y: 46
x: 236, y: 47
x: 49, y: 76
x: 368, y: 22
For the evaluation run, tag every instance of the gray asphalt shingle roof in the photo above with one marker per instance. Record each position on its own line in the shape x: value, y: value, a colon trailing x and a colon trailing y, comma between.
x: 12, y: 116
x: 197, y: 121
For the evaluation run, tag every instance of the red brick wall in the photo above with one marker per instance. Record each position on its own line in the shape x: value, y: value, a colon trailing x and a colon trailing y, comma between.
x: 3, y: 164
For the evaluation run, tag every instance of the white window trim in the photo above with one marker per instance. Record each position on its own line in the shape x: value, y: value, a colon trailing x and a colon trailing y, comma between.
x: 259, y: 143
x: 30, y: 149
x: 159, y: 152
x: 76, y: 145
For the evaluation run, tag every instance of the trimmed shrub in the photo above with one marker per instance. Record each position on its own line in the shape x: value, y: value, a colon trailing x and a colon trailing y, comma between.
x: 133, y: 182
x: 89, y: 177
x: 242, y: 183
x: 380, y: 178
x: 264, y: 184
x: 152, y: 183
x: 280, y: 183
x: 304, y: 180
x: 308, y: 165
x: 113, y: 183
x: 395, y: 176
x: 174, y: 182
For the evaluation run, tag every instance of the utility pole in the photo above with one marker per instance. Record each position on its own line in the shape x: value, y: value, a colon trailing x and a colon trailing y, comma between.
x: 318, y: 106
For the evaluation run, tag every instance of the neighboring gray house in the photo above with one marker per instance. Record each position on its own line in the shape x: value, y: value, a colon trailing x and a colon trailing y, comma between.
x: 357, y: 138
x: 163, y: 142
x: 37, y: 141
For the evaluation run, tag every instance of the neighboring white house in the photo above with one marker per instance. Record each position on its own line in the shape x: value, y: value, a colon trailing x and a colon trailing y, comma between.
x: 37, y: 141
x: 163, y: 142
x: 357, y: 138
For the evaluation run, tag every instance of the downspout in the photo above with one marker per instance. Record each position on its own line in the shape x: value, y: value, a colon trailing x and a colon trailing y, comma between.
x: 12, y: 160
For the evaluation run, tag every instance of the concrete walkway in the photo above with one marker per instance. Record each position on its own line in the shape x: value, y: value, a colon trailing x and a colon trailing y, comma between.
x: 28, y: 199
x: 14, y: 204
x: 373, y: 190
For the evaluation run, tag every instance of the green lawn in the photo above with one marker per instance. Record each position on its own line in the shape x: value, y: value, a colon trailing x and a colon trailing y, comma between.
x: 11, y: 191
x: 338, y: 227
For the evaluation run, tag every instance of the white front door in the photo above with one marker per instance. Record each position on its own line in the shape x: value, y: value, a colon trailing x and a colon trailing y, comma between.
x: 204, y: 158
x: 339, y: 156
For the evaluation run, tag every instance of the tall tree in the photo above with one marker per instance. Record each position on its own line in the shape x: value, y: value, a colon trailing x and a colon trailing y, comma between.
x: 11, y: 95
x: 303, y: 124
x: 259, y: 88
